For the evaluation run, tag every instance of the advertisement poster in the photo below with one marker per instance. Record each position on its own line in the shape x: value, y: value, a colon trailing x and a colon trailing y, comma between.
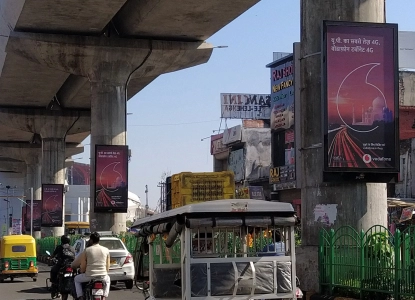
x: 37, y: 216
x: 245, y: 106
x: 361, y: 97
x: 406, y: 214
x: 111, y: 178
x: 17, y: 226
x: 236, y: 164
x: 326, y: 214
x: 52, y: 205
x: 282, y: 94
x: 216, y: 144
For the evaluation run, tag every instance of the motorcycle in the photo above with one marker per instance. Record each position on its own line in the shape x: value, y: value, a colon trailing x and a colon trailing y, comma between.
x: 65, y: 281
x: 93, y: 290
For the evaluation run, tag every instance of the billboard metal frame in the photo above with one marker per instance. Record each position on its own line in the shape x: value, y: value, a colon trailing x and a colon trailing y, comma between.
x: 360, y: 174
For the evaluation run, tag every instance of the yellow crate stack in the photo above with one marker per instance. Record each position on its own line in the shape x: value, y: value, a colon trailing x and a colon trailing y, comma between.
x: 189, y: 188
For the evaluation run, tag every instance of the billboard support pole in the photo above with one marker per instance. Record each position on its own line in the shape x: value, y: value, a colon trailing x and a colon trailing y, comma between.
x: 31, y: 211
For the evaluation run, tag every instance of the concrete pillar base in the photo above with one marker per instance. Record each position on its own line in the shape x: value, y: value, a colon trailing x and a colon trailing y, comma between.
x: 307, y: 268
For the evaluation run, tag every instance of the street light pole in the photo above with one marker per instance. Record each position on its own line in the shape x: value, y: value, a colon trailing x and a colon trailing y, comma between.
x: 31, y: 211
x: 146, y: 214
x: 8, y: 204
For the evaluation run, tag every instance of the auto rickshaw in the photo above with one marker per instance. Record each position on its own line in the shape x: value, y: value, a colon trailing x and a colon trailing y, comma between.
x: 18, y: 257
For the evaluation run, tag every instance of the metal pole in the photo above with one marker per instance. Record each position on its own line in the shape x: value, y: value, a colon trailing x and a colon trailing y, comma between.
x: 8, y: 217
x: 31, y: 211
x: 146, y: 214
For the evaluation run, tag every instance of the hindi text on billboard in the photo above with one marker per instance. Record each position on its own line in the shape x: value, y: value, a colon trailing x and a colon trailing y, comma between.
x: 111, y: 178
x: 361, y: 107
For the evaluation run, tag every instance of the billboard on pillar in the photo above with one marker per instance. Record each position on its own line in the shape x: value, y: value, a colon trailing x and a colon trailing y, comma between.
x: 111, y: 178
x: 360, y: 88
x: 52, y: 205
x: 37, y: 215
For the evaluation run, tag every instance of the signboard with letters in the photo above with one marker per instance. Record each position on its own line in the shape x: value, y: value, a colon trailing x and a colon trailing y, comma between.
x: 232, y: 135
x: 245, y: 106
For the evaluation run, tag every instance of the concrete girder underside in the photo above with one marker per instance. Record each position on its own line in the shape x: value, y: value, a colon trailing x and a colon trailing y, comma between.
x: 23, y: 151
x: 81, y: 55
x: 11, y: 165
x: 47, y: 123
x: 192, y: 20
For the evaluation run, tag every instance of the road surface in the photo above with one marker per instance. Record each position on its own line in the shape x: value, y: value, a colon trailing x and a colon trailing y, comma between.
x: 26, y: 289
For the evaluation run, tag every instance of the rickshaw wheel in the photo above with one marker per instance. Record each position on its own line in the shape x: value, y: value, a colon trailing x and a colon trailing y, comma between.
x: 11, y: 278
x: 1, y: 279
x: 34, y: 279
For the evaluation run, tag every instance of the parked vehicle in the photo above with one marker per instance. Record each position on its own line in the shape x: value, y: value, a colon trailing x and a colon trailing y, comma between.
x: 18, y: 257
x: 122, y: 266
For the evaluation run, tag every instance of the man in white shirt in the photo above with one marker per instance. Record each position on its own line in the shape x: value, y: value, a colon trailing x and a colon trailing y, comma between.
x: 95, y: 263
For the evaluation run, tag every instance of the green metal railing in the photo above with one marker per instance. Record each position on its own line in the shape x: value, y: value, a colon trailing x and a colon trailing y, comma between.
x: 50, y: 243
x: 368, y: 265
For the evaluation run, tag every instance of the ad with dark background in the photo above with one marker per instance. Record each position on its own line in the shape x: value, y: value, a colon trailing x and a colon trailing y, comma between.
x: 37, y: 216
x: 361, y: 103
x: 111, y: 178
x: 52, y: 205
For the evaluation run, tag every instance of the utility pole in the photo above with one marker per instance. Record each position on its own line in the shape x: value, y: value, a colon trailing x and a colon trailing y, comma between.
x: 359, y: 205
x: 146, y: 191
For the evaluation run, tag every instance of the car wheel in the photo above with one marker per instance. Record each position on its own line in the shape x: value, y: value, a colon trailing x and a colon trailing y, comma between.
x: 129, y: 284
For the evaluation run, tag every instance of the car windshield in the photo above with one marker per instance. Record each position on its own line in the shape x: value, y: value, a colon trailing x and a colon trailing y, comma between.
x: 112, y: 244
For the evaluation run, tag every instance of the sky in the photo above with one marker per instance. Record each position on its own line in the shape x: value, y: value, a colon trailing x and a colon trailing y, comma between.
x: 173, y: 117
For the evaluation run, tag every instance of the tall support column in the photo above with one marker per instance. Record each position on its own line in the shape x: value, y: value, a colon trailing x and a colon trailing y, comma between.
x: 108, y: 102
x: 53, y: 168
x: 34, y: 180
x: 359, y: 205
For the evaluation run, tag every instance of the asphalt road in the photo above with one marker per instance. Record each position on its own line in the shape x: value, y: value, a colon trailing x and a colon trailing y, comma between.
x: 26, y: 289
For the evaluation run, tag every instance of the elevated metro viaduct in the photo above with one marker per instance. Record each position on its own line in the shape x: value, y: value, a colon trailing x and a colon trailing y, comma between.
x: 68, y: 67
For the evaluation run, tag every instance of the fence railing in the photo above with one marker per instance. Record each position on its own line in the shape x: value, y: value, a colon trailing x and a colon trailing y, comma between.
x: 368, y: 265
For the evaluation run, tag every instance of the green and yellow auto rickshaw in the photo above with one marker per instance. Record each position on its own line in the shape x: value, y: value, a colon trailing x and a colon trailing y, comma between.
x: 18, y: 257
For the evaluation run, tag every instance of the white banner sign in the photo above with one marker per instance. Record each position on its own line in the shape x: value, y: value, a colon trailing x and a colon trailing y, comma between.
x: 406, y: 40
x: 245, y: 106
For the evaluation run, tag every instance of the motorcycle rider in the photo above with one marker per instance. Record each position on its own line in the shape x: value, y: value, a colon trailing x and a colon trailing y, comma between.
x: 62, y: 252
x: 95, y: 264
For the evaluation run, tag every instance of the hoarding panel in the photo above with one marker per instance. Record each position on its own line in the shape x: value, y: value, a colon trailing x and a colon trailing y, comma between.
x: 111, y: 178
x: 37, y: 215
x: 236, y: 164
x: 282, y: 94
x: 361, y: 100
x: 245, y: 106
x: 52, y: 205
x: 406, y: 49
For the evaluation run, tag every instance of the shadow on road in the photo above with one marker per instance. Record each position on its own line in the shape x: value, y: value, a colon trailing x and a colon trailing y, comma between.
x: 35, y: 290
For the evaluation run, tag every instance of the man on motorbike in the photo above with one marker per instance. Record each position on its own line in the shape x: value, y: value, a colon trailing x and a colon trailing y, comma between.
x: 63, y: 252
x: 95, y: 264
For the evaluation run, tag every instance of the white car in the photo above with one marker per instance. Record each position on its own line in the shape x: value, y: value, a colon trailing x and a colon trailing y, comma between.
x: 122, y: 265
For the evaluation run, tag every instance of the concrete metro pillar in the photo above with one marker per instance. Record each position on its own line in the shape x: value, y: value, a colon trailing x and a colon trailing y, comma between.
x: 108, y: 102
x: 359, y: 205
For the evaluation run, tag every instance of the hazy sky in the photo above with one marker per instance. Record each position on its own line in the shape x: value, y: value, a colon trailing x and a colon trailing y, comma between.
x: 172, y: 114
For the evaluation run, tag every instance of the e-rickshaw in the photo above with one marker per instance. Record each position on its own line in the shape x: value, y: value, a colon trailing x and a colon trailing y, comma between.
x: 223, y: 249
x: 18, y: 257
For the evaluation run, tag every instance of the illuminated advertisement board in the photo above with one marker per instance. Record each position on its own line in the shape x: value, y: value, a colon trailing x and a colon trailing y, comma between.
x: 111, y: 178
x: 37, y: 215
x: 52, y: 206
x: 360, y: 77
